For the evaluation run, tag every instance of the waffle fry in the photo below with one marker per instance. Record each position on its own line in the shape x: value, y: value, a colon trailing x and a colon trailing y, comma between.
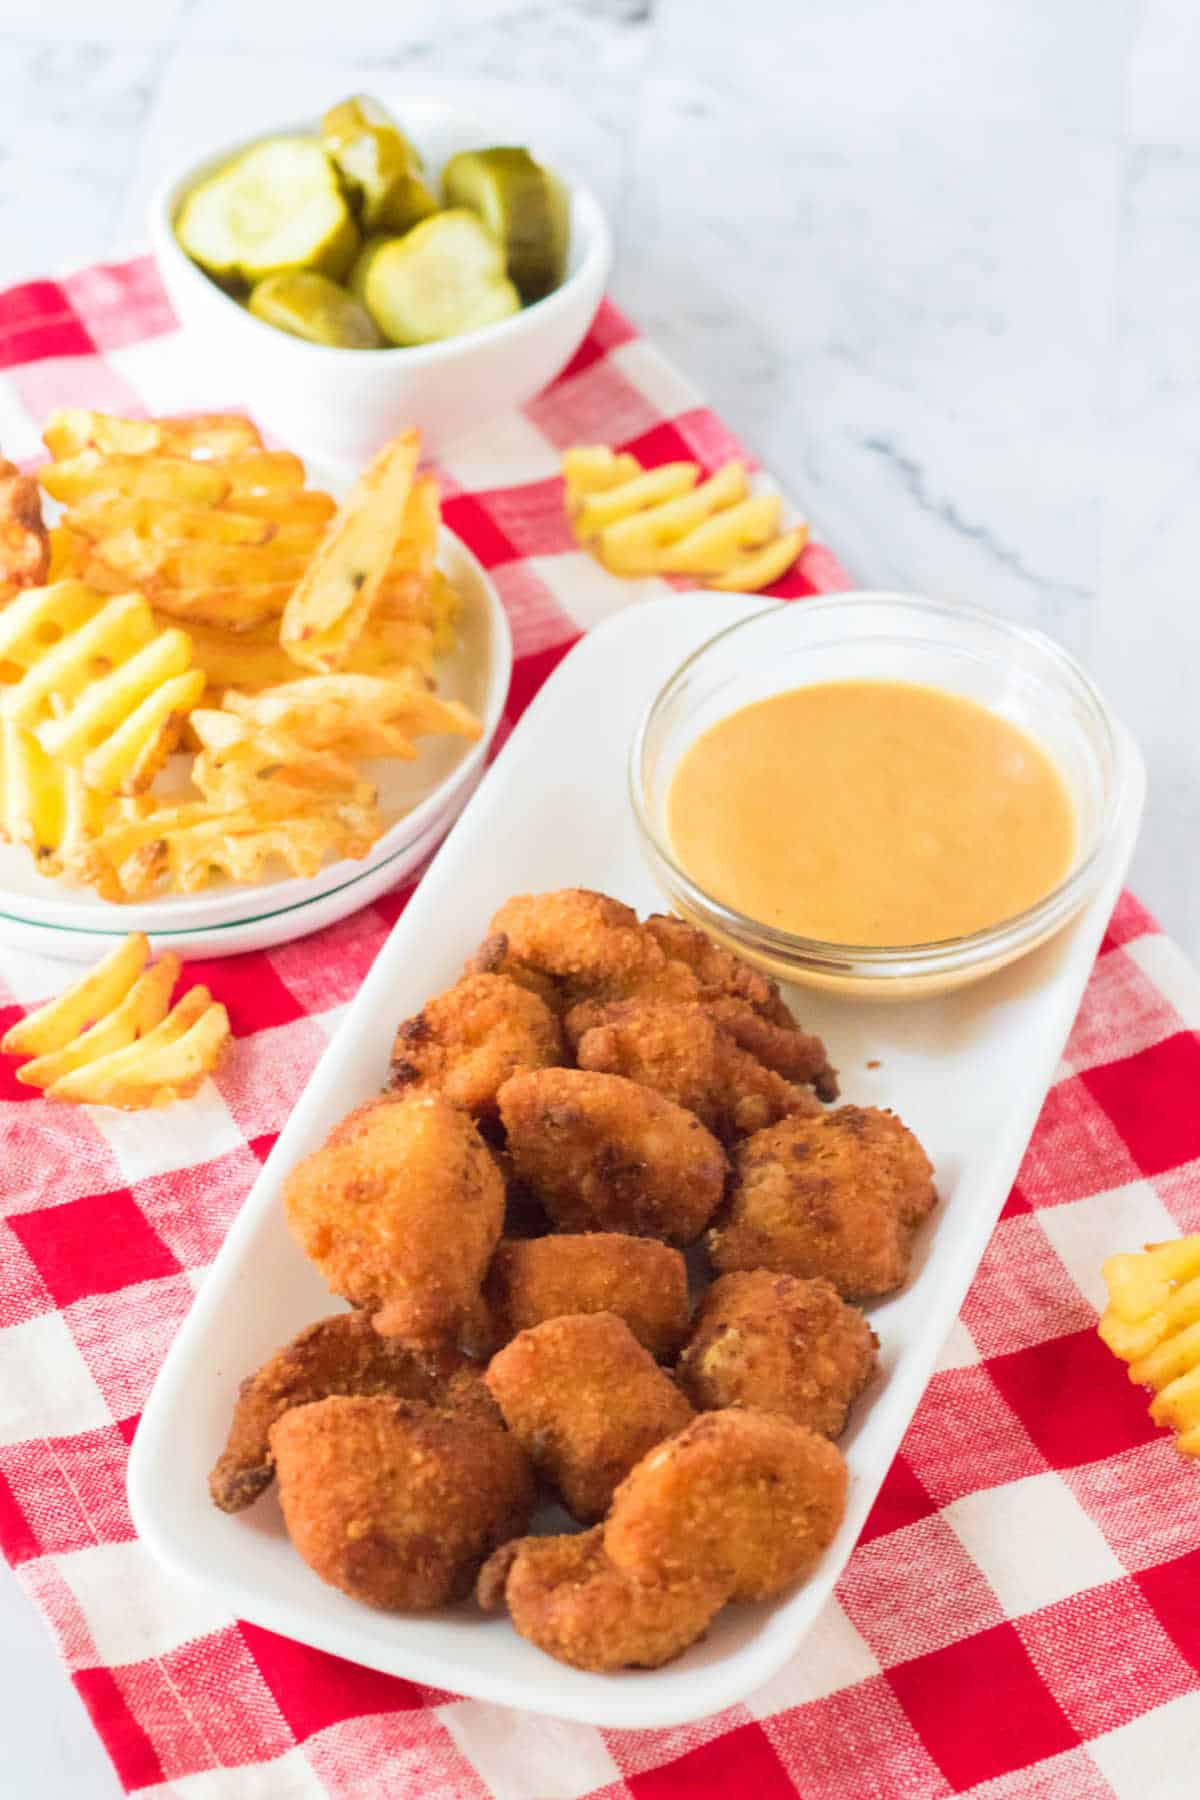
x: 98, y: 686
x: 44, y: 803
x: 184, y: 848
x: 666, y: 521
x: 240, y: 766
x: 195, y: 513
x: 113, y: 1038
x: 591, y: 468
x: 72, y: 430
x: 331, y: 604
x: 222, y: 542
x: 1152, y: 1322
x: 367, y: 714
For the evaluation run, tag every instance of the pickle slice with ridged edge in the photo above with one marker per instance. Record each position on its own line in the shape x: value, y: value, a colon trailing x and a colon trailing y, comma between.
x: 380, y: 168
x: 311, y: 306
x: 523, y: 205
x: 278, y: 206
x: 444, y: 277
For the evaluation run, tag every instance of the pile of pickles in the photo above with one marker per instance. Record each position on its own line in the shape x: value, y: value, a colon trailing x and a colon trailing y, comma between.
x: 340, y: 239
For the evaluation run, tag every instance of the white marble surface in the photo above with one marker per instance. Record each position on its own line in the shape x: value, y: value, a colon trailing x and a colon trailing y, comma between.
x: 938, y: 263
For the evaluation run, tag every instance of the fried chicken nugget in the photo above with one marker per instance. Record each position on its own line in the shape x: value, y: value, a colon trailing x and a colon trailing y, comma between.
x: 493, y: 958
x: 602, y: 1153
x: 745, y: 1498
x: 837, y: 1196
x: 778, y: 1345
x: 747, y: 1004
x: 719, y: 973
x: 340, y: 1355
x: 394, y: 1503
x: 400, y: 1210
x: 641, y: 1281
x: 588, y: 944
x: 586, y: 1401
x: 566, y: 1597
x: 678, y: 1049
x: 466, y: 1042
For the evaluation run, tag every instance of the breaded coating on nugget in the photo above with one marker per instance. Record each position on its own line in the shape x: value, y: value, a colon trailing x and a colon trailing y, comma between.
x: 401, y: 1209
x: 792, y: 1053
x: 340, y: 1355
x: 590, y: 945
x: 586, y: 1401
x: 678, y: 1049
x: 566, y: 1597
x: 837, y: 1196
x: 394, y: 1503
x: 602, y: 1153
x: 719, y: 973
x: 493, y: 958
x: 779, y: 1345
x: 742, y: 1497
x: 747, y: 1004
x: 641, y: 1281
x: 467, y: 1041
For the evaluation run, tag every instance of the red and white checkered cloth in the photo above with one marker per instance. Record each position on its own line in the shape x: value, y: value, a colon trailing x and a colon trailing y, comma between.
x: 1021, y: 1616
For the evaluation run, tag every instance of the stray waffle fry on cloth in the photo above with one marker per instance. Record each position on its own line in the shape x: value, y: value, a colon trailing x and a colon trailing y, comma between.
x: 114, y: 1039
x: 666, y: 521
x: 1152, y: 1322
x: 96, y: 682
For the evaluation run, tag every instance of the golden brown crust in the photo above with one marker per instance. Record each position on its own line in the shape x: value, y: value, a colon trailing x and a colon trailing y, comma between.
x: 24, y: 540
x: 401, y: 1209
x: 779, y: 1345
x: 838, y: 1196
x: 718, y: 972
x: 586, y: 1401
x: 589, y: 944
x: 680, y: 1050
x: 742, y: 1497
x: 794, y: 1054
x: 602, y: 1153
x: 493, y: 958
x: 467, y: 1041
x: 641, y: 1281
x: 340, y: 1355
x: 566, y: 1597
x: 396, y: 1504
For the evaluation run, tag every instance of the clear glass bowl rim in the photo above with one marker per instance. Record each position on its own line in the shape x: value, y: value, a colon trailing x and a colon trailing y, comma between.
x: 998, y: 941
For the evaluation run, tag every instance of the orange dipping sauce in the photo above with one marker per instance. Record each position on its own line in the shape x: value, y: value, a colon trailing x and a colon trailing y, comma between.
x: 881, y: 813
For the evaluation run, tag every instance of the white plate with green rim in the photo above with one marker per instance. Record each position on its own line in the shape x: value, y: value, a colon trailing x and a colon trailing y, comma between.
x: 420, y: 800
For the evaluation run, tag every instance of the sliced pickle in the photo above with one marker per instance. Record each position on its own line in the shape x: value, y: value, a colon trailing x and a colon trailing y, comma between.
x: 370, y: 247
x: 444, y: 277
x: 277, y: 207
x: 313, y: 307
x: 380, y: 168
x: 522, y: 204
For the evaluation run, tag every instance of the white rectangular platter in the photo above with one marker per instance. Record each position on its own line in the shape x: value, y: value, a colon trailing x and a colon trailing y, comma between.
x: 967, y: 1072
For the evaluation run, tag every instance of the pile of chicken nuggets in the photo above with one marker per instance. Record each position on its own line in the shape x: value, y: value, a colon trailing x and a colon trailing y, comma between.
x: 508, y: 1222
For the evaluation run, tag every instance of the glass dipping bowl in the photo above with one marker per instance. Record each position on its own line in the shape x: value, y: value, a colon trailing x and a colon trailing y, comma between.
x: 1018, y: 673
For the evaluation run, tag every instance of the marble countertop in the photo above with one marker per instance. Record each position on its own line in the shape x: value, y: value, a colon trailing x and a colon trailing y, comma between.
x: 939, y: 265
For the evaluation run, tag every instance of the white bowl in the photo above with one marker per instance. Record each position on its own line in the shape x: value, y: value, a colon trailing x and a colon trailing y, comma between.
x: 342, y: 404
